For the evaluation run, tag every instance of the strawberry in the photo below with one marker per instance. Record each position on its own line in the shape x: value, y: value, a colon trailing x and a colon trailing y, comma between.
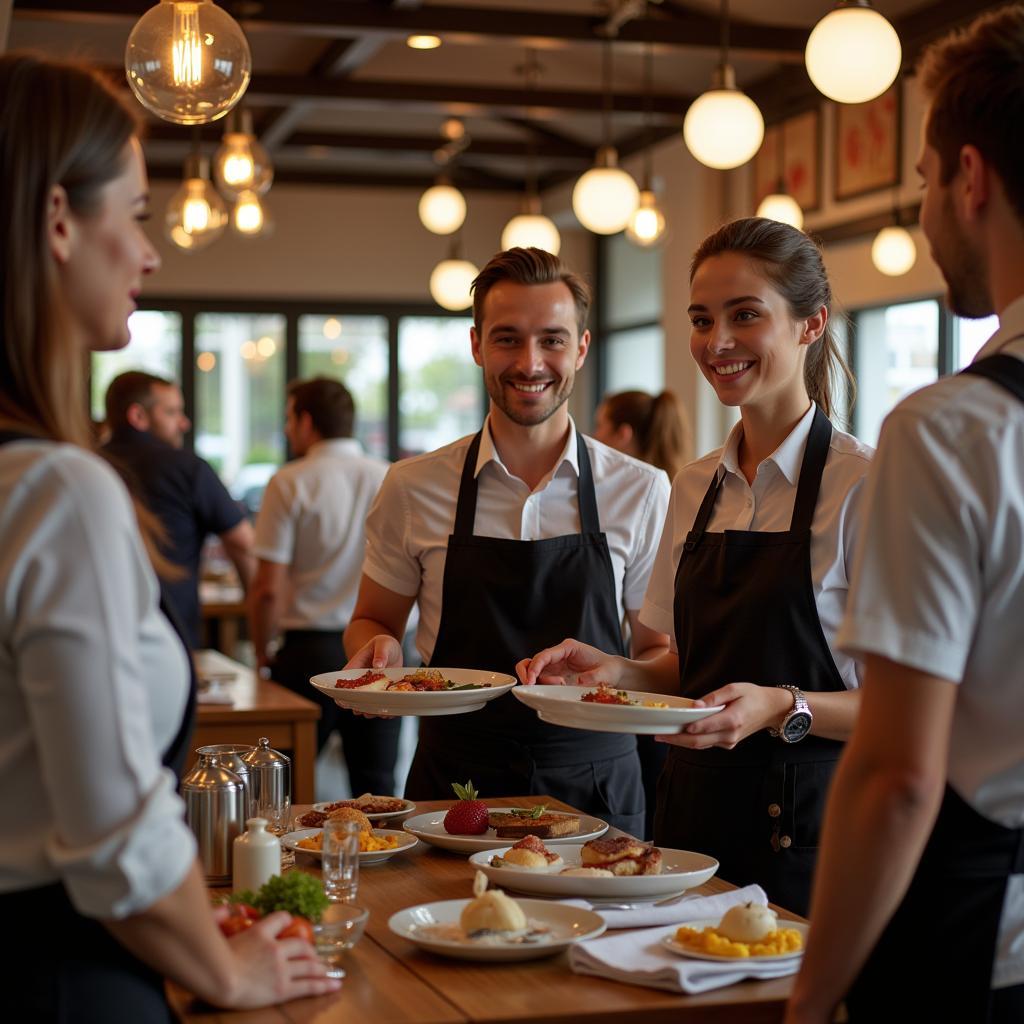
x: 469, y: 816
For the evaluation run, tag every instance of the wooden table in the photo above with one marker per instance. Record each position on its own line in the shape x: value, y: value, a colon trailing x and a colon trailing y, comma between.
x: 263, y: 708
x: 223, y: 610
x: 390, y: 981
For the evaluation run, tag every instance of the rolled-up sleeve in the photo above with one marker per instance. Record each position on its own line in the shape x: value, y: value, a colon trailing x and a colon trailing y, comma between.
x: 389, y: 561
x: 118, y: 839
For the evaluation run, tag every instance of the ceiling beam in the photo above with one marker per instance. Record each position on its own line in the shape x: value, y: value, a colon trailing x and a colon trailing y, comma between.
x: 692, y: 30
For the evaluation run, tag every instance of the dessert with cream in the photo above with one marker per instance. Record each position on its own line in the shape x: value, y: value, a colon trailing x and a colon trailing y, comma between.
x: 529, y: 854
x: 622, y: 856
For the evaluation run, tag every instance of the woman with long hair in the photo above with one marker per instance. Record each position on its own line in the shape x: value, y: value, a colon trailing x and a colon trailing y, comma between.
x: 97, y: 865
x: 753, y: 572
x: 652, y: 428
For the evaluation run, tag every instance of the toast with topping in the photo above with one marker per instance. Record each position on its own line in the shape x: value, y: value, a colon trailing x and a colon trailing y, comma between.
x: 533, y: 821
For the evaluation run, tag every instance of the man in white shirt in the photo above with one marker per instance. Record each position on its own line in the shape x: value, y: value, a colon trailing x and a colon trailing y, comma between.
x: 310, y: 541
x: 511, y: 540
x: 918, y: 909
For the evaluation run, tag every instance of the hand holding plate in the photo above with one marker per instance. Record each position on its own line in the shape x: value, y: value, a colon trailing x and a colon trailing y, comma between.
x: 570, y: 663
x: 748, y: 708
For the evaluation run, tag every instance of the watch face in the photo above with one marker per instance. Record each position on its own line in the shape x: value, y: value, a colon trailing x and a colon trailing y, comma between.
x: 797, y: 726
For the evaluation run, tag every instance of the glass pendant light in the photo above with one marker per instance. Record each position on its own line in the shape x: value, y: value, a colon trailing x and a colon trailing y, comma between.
x: 530, y: 228
x: 187, y: 62
x: 442, y: 208
x: 450, y: 280
x: 723, y: 127
x: 893, y: 251
x: 780, y: 205
x: 605, y: 197
x: 647, y: 225
x: 249, y: 216
x: 853, y: 54
x: 241, y: 164
x: 196, y: 215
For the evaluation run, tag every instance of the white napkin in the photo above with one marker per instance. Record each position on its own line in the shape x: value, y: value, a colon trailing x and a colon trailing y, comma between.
x: 639, y: 958
x: 216, y: 693
x: 690, y: 908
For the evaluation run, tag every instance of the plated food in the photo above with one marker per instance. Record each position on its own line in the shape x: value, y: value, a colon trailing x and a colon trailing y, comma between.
x: 493, y: 926
x: 376, y: 808
x: 746, y: 931
x: 602, y: 869
x: 607, y: 710
x: 430, y: 828
x: 412, y: 691
x: 375, y: 846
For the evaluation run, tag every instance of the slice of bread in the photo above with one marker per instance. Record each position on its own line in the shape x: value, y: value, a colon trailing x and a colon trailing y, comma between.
x: 548, y: 824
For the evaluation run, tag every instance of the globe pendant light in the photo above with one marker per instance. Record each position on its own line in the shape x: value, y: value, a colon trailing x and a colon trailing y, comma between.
x: 196, y: 215
x: 450, y: 281
x: 187, y: 62
x: 241, y: 164
x: 442, y: 208
x: 647, y: 225
x: 723, y: 127
x: 779, y: 205
x: 249, y: 218
x: 605, y: 197
x: 853, y: 54
x: 893, y: 251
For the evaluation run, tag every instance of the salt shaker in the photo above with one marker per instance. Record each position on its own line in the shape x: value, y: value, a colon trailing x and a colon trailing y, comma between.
x: 257, y: 856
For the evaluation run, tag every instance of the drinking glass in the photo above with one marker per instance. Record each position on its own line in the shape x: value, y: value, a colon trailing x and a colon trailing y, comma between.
x: 337, y: 931
x: 340, y: 861
x: 278, y: 814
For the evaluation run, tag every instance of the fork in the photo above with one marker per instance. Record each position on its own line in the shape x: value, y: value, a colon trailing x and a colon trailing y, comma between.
x: 668, y: 901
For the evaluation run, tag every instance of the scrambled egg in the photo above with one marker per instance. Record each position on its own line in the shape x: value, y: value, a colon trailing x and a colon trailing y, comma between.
x: 782, y: 940
x: 368, y: 842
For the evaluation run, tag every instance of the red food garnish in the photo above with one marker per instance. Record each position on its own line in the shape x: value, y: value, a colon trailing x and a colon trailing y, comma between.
x: 364, y: 680
x: 297, y: 928
x: 605, y: 695
x: 469, y: 816
x: 240, y: 916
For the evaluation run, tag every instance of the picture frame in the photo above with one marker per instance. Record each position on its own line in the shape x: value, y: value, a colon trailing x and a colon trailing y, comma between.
x: 793, y: 147
x: 868, y: 145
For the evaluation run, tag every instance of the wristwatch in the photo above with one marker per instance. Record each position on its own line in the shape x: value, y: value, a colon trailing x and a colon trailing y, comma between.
x: 797, y: 723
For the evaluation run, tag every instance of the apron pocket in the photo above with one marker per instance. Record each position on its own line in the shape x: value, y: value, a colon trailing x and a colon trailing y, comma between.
x: 807, y: 793
x: 618, y: 784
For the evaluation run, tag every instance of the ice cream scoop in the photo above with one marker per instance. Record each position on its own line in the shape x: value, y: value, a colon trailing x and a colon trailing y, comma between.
x: 492, y: 910
x: 748, y: 922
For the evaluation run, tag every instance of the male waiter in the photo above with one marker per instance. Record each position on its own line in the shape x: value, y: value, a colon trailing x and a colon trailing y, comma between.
x: 512, y: 539
x: 918, y: 907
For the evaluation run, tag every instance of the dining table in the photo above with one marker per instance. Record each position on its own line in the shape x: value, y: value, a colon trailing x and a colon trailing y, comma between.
x: 391, y: 981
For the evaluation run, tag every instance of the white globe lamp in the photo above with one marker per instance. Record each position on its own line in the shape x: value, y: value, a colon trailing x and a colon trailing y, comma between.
x: 783, y: 208
x: 605, y: 197
x: 723, y: 127
x: 442, y: 209
x: 647, y: 225
x: 893, y: 251
x: 449, y: 284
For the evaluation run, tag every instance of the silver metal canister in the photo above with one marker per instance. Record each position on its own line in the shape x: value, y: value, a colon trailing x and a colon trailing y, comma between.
x: 215, y: 809
x: 231, y: 756
x: 270, y: 782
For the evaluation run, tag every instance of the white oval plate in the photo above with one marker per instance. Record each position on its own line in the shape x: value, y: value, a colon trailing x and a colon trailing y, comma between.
x: 405, y: 842
x: 680, y: 870
x: 568, y: 925
x: 430, y: 828
x: 561, y: 705
x: 407, y: 702
x: 669, y: 942
x: 407, y: 808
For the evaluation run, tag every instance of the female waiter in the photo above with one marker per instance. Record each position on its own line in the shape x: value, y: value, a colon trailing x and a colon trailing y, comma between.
x: 97, y: 866
x: 752, y: 572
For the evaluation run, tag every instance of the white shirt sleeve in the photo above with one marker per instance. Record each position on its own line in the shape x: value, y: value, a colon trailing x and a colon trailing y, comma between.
x: 119, y: 841
x: 916, y: 587
x: 657, y: 611
x: 648, y: 534
x: 389, y: 560
x: 275, y: 522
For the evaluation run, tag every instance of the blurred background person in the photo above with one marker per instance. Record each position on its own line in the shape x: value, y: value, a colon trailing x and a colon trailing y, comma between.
x: 310, y: 542
x: 656, y: 430
x: 147, y: 423
x: 97, y: 865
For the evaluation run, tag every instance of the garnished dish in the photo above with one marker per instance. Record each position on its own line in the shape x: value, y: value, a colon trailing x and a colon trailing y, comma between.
x: 301, y: 895
x: 412, y: 691
x: 376, y: 808
x: 746, y: 931
x: 602, y: 869
x: 375, y: 845
x: 496, y: 827
x: 492, y: 926
x: 605, y: 709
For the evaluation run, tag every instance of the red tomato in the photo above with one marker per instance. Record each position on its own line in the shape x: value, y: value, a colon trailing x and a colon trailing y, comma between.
x: 298, y: 928
x: 240, y: 916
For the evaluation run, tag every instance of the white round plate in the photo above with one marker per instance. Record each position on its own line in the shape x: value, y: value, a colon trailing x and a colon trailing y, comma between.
x: 405, y: 842
x: 407, y: 808
x: 669, y: 942
x: 430, y: 828
x: 567, y: 924
x: 407, y: 702
x: 561, y: 705
x: 680, y: 870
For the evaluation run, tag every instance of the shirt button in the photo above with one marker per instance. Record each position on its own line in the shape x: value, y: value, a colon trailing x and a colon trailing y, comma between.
x: 774, y: 810
x: 785, y: 842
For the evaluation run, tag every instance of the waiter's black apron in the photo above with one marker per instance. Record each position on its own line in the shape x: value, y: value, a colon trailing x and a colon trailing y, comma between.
x: 504, y: 600
x: 745, y: 612
x: 955, y: 898
x: 66, y: 968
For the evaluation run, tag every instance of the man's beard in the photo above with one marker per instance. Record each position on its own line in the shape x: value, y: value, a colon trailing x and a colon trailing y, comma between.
x: 964, y: 271
x: 531, y: 417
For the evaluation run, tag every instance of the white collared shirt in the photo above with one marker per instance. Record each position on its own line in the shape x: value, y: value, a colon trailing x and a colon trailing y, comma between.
x: 409, y: 524
x: 312, y: 519
x: 939, y: 581
x: 767, y: 506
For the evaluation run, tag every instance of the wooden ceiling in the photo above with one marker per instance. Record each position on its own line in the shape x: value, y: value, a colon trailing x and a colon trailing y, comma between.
x: 338, y: 98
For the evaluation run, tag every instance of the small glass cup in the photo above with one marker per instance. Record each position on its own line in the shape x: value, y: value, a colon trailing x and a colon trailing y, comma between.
x: 278, y: 815
x: 340, y: 861
x: 340, y: 928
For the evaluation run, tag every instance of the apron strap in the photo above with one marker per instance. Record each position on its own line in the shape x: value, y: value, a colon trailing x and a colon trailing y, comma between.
x: 465, y: 509
x: 700, y: 524
x: 1003, y: 369
x: 815, y: 454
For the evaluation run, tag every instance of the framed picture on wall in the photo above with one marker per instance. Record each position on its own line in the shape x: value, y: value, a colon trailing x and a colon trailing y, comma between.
x: 868, y: 145
x: 791, y: 153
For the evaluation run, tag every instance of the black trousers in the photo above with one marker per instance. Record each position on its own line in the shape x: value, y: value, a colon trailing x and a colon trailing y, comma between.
x: 369, y: 745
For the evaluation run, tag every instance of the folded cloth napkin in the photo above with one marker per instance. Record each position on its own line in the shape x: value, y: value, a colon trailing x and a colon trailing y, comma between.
x: 215, y: 694
x: 690, y: 908
x: 639, y: 958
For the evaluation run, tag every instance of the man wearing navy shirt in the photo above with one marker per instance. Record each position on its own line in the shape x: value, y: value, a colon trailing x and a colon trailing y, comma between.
x: 146, y: 417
